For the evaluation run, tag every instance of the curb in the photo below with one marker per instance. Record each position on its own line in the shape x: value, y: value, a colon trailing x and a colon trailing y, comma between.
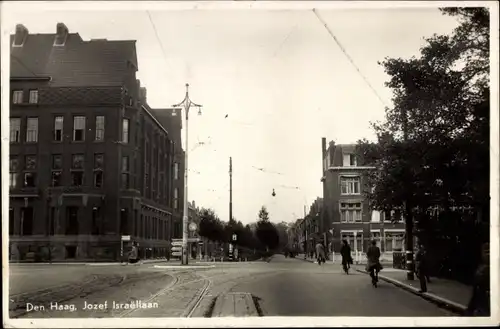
x: 435, y: 299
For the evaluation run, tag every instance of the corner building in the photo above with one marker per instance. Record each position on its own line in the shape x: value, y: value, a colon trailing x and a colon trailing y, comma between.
x: 346, y: 213
x: 89, y: 162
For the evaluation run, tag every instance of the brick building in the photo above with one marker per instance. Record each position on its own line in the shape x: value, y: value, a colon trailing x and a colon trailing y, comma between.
x: 89, y: 161
x: 346, y: 213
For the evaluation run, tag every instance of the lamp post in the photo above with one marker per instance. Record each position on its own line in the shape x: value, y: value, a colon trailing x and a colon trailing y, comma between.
x: 186, y: 104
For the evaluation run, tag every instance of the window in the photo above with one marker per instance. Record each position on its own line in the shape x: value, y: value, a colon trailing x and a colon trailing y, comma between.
x: 359, y: 242
x: 99, y: 128
x: 27, y: 220
x: 13, y: 175
x: 176, y: 170
x: 125, y: 172
x: 77, y: 178
x: 350, y: 212
x: 30, y: 162
x: 32, y: 130
x: 98, y: 178
x: 352, y: 160
x: 29, y: 179
x: 15, y: 130
x: 58, y: 128
x: 13, y: 179
x: 17, y: 97
x: 56, y: 162
x: 98, y: 170
x: 56, y: 178
x: 71, y: 220
x: 349, y: 237
x: 375, y: 216
x: 125, y: 164
x: 349, y: 160
x: 375, y: 236
x: 125, y: 131
x: 11, y: 221
x: 33, y: 96
x: 99, y: 161
x: 78, y: 161
x: 394, y: 241
x: 79, y: 128
x: 349, y: 185
x: 176, y: 198
x: 56, y: 170
x: 13, y: 164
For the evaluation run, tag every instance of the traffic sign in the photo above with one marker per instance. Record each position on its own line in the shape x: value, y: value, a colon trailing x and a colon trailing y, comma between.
x: 125, y: 237
x: 235, y: 237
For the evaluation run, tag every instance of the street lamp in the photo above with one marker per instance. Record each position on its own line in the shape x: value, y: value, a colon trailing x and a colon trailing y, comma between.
x: 186, y: 104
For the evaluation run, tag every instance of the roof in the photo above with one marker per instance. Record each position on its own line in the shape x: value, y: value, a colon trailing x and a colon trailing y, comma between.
x: 77, y: 63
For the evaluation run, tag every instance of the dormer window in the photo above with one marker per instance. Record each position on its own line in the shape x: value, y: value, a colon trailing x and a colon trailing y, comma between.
x: 20, y: 36
x: 61, y: 35
x: 349, y: 160
x: 60, y: 40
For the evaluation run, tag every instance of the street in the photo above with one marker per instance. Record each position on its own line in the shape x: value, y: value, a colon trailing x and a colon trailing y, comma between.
x: 282, y: 287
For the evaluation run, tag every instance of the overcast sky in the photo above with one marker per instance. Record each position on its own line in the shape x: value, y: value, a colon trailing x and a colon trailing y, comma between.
x: 278, y: 75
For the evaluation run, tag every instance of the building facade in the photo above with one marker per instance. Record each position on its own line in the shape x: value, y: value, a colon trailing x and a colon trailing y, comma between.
x: 89, y: 161
x: 346, y: 213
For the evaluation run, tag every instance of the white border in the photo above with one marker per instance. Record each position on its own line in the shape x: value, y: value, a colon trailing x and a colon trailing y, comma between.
x: 7, y: 7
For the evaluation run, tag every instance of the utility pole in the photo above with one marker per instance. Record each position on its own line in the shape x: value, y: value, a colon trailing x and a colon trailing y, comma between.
x: 410, y: 264
x: 230, y: 189
x: 186, y: 104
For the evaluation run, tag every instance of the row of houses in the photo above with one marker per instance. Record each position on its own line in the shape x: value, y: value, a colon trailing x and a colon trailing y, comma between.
x: 343, y: 213
x: 90, y: 160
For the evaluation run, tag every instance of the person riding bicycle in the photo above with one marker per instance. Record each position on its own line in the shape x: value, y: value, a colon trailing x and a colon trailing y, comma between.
x: 345, y: 252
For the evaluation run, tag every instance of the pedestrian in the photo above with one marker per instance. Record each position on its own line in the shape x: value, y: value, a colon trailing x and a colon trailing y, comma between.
x: 479, y: 304
x: 133, y: 256
x: 320, y: 253
x: 422, y: 260
x: 373, y: 265
x: 345, y: 252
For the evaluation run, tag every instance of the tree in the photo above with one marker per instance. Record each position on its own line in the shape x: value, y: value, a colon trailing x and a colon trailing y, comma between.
x: 210, y: 225
x: 263, y: 214
x: 433, y: 146
x: 266, y: 231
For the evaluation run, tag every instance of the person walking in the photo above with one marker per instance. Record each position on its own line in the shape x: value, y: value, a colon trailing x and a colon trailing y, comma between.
x: 345, y: 252
x: 373, y: 265
x: 133, y: 256
x: 320, y: 253
x: 422, y: 260
x: 480, y: 303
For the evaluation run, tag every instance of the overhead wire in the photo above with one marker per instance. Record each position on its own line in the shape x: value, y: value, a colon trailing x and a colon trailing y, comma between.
x: 159, y: 42
x: 351, y: 60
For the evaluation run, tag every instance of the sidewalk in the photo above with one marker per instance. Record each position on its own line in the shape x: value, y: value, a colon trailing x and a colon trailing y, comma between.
x: 449, y: 294
x: 146, y: 261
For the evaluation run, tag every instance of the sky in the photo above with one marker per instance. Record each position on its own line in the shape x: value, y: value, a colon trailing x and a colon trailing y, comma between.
x: 278, y: 75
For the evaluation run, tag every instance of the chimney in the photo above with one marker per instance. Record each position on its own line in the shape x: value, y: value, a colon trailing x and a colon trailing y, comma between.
x: 61, y: 34
x: 21, y: 34
x: 143, y: 95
